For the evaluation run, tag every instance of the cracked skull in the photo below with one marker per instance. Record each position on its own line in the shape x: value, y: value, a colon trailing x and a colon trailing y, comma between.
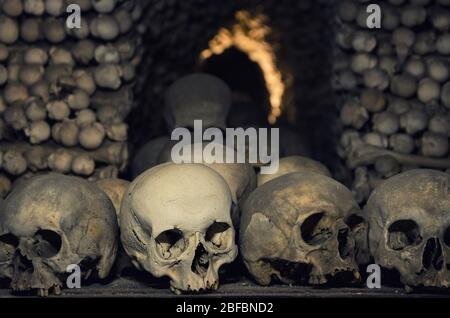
x: 175, y: 221
x: 50, y: 222
x: 302, y: 226
x: 409, y: 226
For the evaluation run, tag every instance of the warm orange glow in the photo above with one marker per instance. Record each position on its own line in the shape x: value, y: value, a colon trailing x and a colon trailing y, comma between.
x: 249, y: 35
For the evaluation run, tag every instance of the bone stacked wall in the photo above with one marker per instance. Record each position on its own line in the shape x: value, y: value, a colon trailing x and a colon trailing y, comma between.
x: 65, y: 92
x: 394, y: 89
x: 177, y: 33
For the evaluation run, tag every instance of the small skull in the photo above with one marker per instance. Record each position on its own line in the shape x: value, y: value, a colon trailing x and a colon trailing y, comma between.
x: 300, y: 226
x: 50, y: 222
x: 409, y: 226
x: 175, y: 221
x: 197, y: 97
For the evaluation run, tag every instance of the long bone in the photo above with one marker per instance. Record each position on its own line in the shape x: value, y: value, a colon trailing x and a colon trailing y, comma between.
x: 361, y: 154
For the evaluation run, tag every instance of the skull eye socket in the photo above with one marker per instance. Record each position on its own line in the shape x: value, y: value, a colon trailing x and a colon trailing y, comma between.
x: 403, y: 233
x: 344, y: 247
x: 316, y: 229
x: 219, y: 235
x: 9, y: 239
x: 47, y: 243
x: 170, y: 244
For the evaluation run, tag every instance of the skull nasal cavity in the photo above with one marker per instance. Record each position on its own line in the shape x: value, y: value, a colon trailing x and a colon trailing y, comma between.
x: 22, y: 263
x: 200, y: 263
x: 315, y: 229
x: 47, y: 243
x: 343, y: 243
x: 432, y: 255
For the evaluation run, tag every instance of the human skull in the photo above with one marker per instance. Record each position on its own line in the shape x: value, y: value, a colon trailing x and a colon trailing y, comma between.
x: 294, y: 164
x: 409, y: 226
x: 197, y: 96
x: 175, y: 221
x: 300, y: 226
x: 240, y: 177
x: 115, y: 190
x: 50, y: 222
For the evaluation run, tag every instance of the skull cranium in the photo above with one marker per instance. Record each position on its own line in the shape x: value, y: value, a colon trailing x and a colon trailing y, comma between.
x: 409, y: 226
x: 175, y: 221
x: 50, y: 222
x: 240, y: 177
x: 301, y: 225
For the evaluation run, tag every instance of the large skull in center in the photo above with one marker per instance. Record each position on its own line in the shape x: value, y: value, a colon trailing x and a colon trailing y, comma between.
x: 409, y: 226
x: 240, y: 177
x: 175, y: 221
x: 50, y: 222
x: 301, y: 226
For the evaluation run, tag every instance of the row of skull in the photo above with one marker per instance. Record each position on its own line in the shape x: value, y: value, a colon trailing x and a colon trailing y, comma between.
x: 185, y: 221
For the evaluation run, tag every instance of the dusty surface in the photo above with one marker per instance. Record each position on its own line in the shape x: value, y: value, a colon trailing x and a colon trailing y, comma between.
x: 128, y: 287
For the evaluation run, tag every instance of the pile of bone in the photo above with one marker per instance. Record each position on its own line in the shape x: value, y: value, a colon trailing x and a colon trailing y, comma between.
x: 184, y: 221
x: 394, y: 87
x: 300, y: 227
x: 65, y: 92
x: 178, y: 32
